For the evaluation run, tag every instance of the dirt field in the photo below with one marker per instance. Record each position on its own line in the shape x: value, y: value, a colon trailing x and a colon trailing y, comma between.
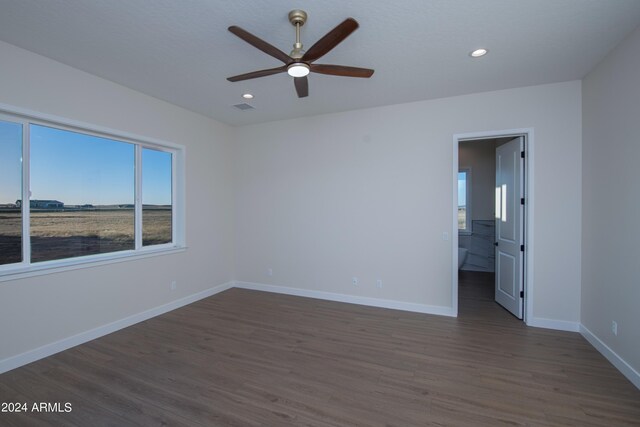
x: 57, y: 235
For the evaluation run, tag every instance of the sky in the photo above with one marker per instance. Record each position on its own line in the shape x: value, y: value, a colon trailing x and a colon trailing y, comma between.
x: 79, y: 169
x: 10, y: 162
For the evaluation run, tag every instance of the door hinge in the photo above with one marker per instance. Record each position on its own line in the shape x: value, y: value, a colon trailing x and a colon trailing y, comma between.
x: 521, y: 248
x: 521, y: 294
x: 522, y: 200
x: 522, y: 154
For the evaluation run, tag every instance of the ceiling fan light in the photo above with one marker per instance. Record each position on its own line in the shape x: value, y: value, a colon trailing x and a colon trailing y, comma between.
x: 298, y: 69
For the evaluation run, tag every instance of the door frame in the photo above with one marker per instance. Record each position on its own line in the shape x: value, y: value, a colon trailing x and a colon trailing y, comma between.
x: 529, y: 177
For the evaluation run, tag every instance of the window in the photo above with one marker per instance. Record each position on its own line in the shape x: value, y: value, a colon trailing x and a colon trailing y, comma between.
x: 88, y: 196
x: 82, y: 194
x: 10, y: 192
x: 464, y: 201
x: 156, y: 197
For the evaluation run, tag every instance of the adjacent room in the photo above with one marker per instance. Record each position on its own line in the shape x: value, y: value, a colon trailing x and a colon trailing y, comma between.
x: 331, y: 213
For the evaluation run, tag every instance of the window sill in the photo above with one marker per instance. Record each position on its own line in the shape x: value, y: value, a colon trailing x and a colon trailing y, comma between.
x: 464, y: 233
x: 58, y: 266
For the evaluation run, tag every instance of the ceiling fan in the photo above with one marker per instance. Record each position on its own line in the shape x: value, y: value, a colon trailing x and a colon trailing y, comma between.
x: 299, y: 63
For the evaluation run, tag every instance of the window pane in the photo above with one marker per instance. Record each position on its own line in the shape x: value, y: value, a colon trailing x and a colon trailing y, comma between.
x: 156, y: 197
x: 82, y: 194
x: 462, y: 200
x: 10, y: 192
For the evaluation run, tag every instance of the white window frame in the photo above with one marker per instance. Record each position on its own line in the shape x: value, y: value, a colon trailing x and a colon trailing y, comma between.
x: 178, y: 243
x: 467, y: 230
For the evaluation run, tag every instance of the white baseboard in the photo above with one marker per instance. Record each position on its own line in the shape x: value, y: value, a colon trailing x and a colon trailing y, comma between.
x: 559, y: 325
x: 617, y: 361
x: 351, y: 299
x: 72, y: 341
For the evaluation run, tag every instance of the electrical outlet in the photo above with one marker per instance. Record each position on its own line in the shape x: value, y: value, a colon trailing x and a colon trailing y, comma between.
x: 614, y: 327
x: 354, y: 280
x: 269, y: 272
x: 173, y: 285
x: 379, y: 283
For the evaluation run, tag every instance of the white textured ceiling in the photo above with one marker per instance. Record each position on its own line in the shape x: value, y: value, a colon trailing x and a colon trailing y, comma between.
x: 181, y: 51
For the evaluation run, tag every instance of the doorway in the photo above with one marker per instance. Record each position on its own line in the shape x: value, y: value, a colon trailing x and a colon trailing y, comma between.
x: 492, y: 215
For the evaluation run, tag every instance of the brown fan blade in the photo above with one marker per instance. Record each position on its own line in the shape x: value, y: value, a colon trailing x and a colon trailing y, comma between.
x: 341, y: 70
x: 256, y: 74
x: 330, y: 40
x: 302, y: 86
x: 260, y: 44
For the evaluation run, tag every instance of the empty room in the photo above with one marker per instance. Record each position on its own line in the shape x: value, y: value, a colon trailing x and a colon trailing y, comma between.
x: 360, y: 213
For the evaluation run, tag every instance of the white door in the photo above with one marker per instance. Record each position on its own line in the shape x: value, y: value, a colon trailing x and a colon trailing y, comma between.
x: 509, y: 226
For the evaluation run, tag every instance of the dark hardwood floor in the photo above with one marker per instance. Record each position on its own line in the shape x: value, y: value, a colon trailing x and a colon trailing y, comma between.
x: 247, y: 358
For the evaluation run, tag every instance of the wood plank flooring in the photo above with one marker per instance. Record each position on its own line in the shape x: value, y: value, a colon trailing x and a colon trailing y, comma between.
x: 247, y: 358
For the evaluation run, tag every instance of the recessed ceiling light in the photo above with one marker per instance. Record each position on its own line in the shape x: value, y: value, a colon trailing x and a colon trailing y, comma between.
x: 478, y: 53
x: 247, y: 96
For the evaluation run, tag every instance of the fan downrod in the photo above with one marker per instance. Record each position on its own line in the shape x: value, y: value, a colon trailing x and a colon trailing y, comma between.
x: 297, y: 18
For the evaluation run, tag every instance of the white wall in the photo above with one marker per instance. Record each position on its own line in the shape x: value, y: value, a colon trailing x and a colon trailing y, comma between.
x: 611, y: 202
x: 368, y: 193
x: 40, y: 310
